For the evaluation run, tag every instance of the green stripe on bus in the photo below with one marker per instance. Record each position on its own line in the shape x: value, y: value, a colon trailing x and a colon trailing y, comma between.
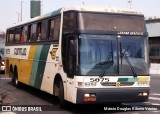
x: 127, y: 79
x: 41, y: 65
x: 122, y: 79
x: 132, y: 80
x: 35, y: 65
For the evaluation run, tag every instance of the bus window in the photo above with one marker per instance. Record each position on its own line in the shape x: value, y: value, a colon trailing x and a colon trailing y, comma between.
x: 33, y: 32
x: 11, y: 36
x: 7, y: 36
x: 24, y: 34
x: 38, y: 31
x: 29, y: 33
x: 71, y: 49
x: 41, y: 31
x: 44, y: 30
x: 51, y: 29
x: 54, y: 29
x: 17, y: 35
x: 57, y: 28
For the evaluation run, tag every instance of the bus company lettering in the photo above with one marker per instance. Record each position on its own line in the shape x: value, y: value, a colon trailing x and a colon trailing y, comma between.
x: 20, y: 51
x: 130, y: 33
x: 7, y: 51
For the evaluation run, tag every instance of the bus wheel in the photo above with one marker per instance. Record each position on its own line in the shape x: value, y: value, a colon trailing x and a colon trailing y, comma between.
x: 16, y: 83
x: 61, y: 96
x: 12, y: 76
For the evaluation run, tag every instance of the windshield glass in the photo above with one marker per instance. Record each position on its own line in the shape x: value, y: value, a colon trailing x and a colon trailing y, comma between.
x: 98, y: 55
x: 132, y: 55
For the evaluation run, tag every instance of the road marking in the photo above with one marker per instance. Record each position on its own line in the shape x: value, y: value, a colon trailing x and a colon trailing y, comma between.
x: 8, y: 113
x: 154, y: 98
x: 5, y: 78
x: 147, y: 102
x: 155, y: 94
x: 156, y: 111
x: 156, y: 104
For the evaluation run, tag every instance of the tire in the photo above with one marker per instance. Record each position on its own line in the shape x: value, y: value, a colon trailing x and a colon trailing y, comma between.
x: 15, y: 79
x: 12, y: 76
x: 63, y: 103
x: 16, y: 82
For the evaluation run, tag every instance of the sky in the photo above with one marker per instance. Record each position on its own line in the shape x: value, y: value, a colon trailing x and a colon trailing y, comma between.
x: 10, y: 8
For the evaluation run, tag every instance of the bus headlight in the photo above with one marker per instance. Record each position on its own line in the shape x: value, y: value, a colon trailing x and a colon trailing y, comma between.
x: 90, y: 84
x: 87, y: 84
x: 93, y: 83
x: 142, y: 83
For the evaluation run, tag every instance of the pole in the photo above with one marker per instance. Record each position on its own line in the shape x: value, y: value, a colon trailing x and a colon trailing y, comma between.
x: 130, y: 4
x: 18, y: 16
x: 21, y: 10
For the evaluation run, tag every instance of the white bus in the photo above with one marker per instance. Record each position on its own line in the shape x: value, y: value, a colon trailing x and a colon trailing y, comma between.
x: 82, y: 55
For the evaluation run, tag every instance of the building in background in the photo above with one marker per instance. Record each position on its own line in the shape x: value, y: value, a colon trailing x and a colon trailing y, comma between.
x: 153, y: 28
x: 35, y: 8
x: 2, y: 40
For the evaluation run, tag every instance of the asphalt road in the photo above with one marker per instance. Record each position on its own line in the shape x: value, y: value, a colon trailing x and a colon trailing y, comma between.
x: 28, y: 96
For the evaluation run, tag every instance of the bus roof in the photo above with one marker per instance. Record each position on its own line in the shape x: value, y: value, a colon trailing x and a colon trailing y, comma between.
x: 105, y: 9
x: 83, y: 8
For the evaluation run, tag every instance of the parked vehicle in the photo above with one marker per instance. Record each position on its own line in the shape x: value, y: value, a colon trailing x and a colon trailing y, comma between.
x: 2, y: 64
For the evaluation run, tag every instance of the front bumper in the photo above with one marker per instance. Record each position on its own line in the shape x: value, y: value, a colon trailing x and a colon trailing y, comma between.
x: 112, y: 95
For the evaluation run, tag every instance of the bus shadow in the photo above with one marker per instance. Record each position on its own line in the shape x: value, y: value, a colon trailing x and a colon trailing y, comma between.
x: 38, y: 93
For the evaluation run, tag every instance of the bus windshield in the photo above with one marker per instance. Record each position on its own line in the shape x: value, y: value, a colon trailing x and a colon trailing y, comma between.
x: 100, y: 55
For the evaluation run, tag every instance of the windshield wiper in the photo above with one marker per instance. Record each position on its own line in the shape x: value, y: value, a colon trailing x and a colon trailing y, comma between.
x: 131, y: 66
x: 122, y: 54
x: 107, y: 62
x: 128, y: 61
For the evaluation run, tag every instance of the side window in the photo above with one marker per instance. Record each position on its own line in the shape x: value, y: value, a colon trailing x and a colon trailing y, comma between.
x: 29, y: 33
x: 7, y: 36
x: 39, y: 34
x: 51, y: 29
x: 17, y: 34
x: 33, y: 32
x: 69, y: 51
x: 11, y: 36
x: 24, y: 32
x: 44, y: 30
x: 71, y: 54
x: 41, y: 31
x: 54, y: 29
x: 57, y: 29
